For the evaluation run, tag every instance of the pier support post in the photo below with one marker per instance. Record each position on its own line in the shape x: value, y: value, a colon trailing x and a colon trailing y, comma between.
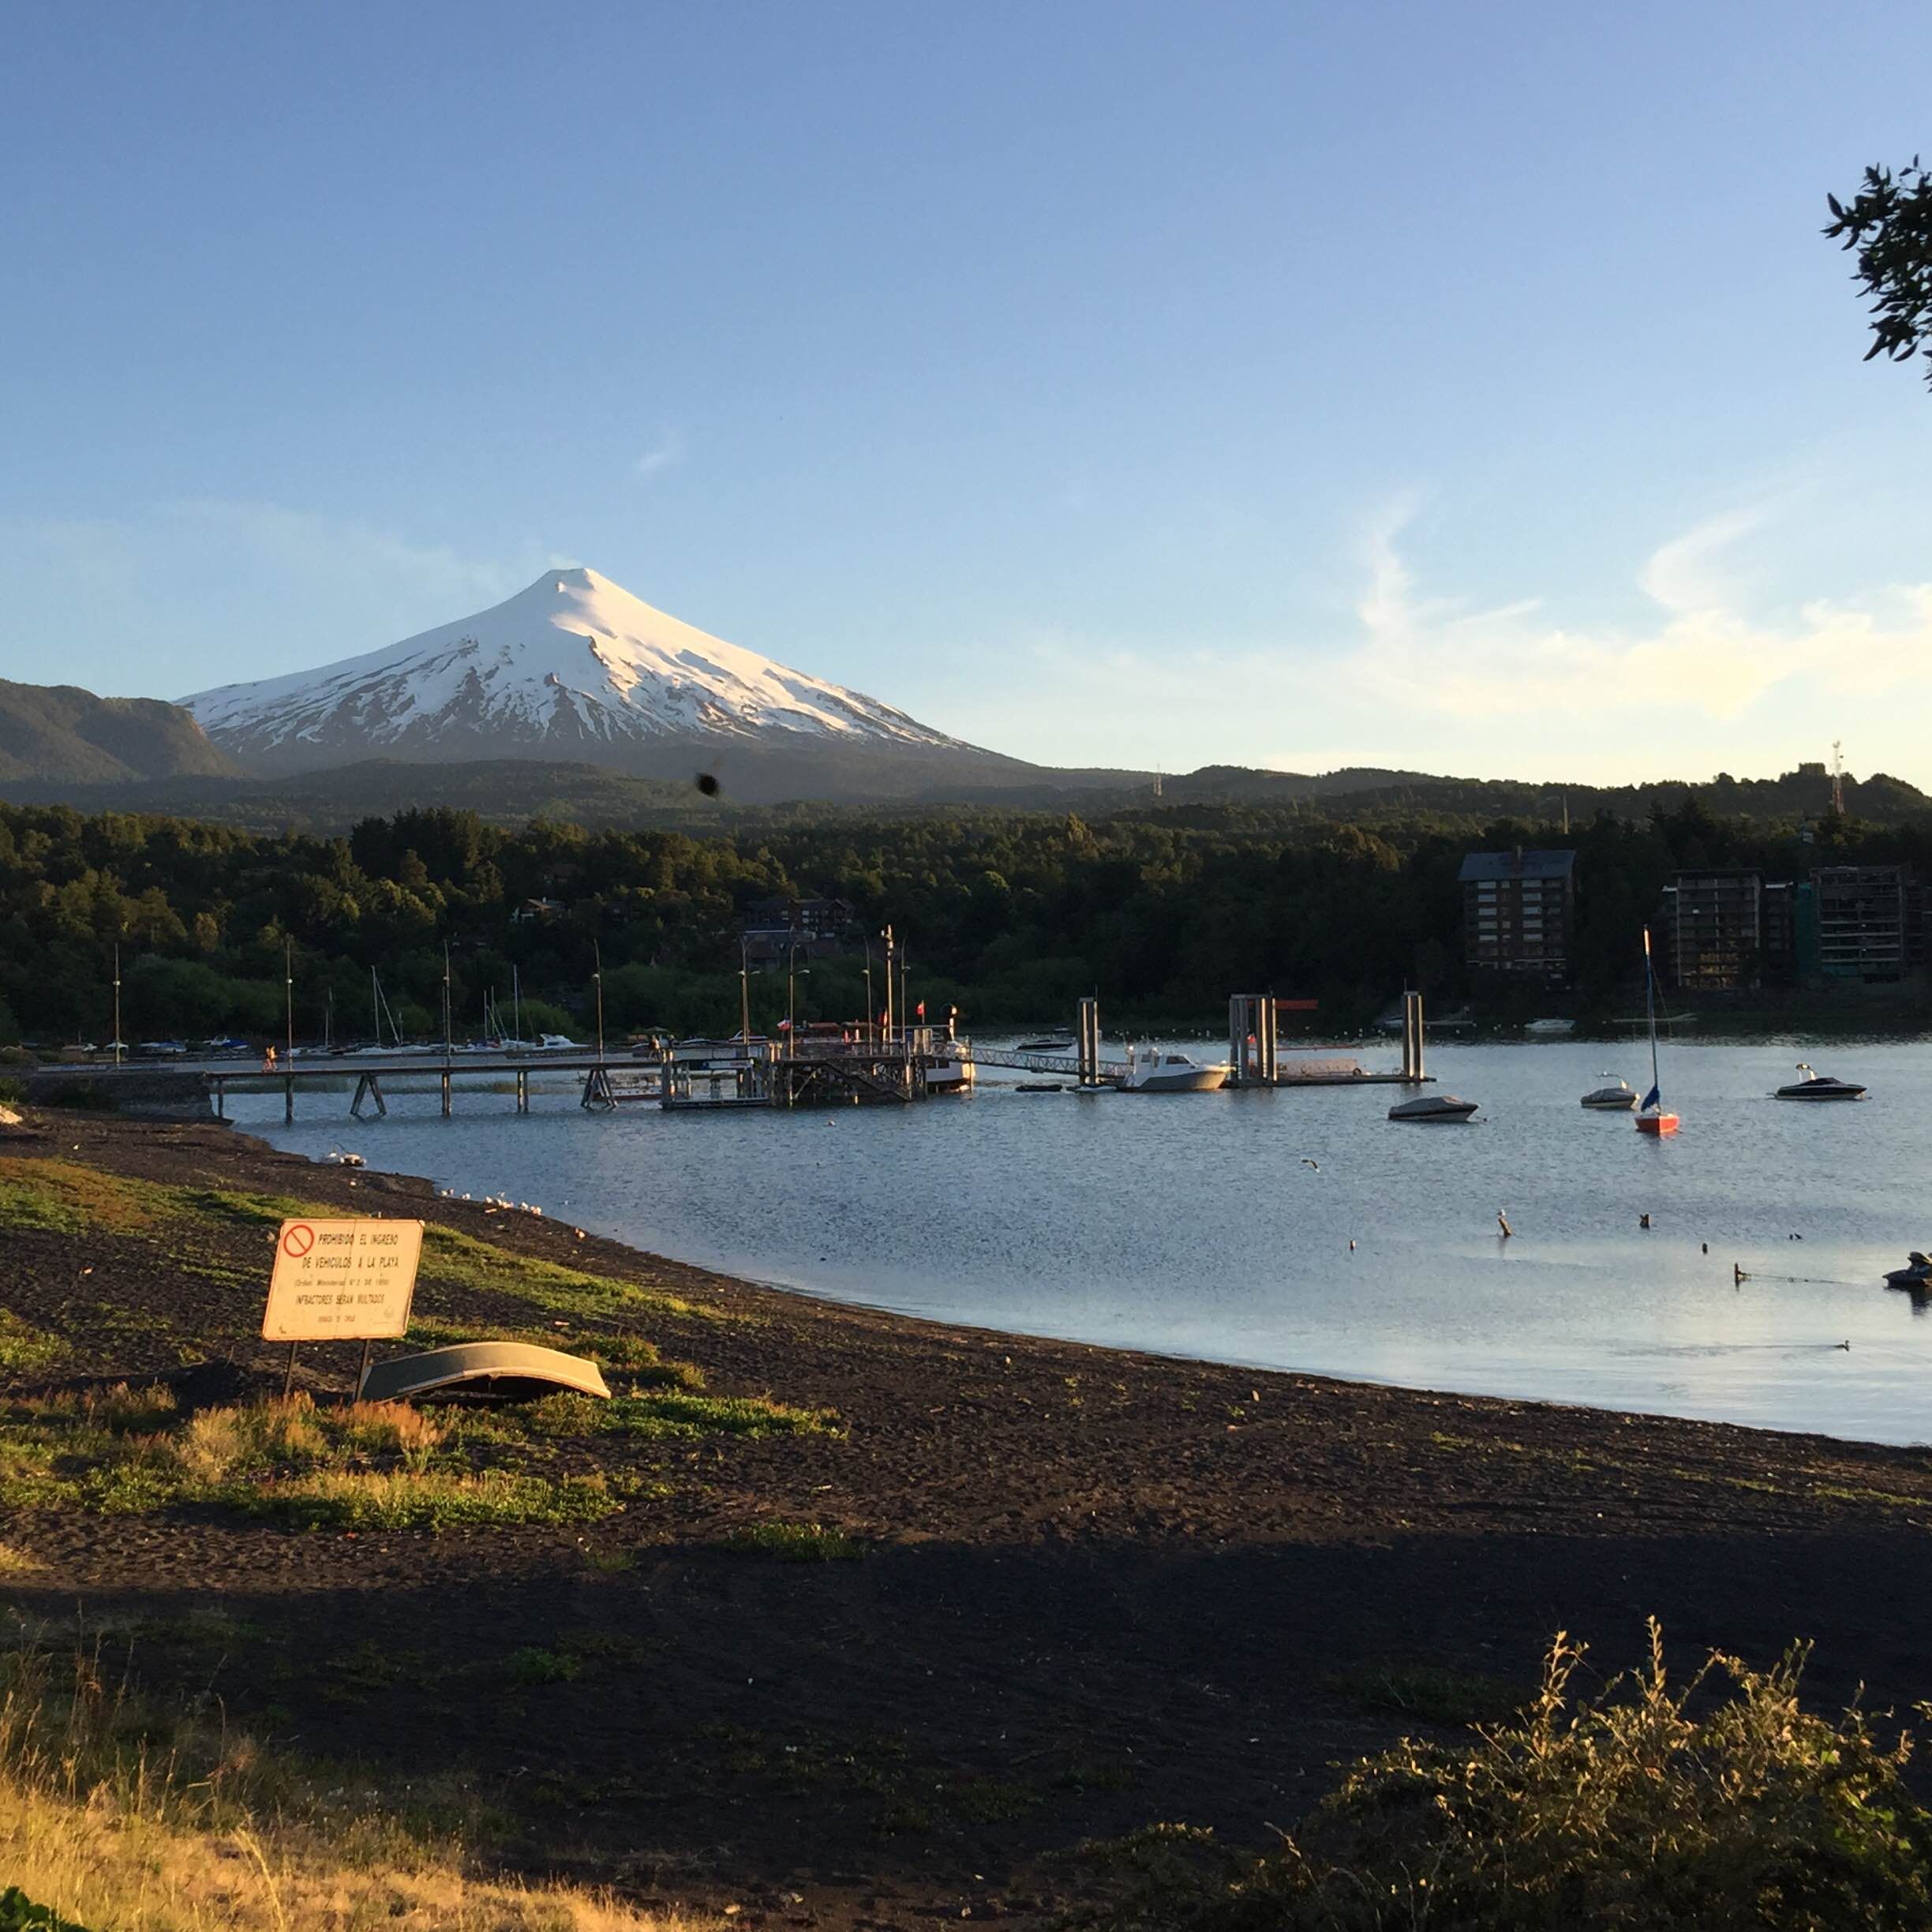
x: 288, y: 1118
x: 1412, y: 1037
x: 1088, y: 1042
x: 446, y: 1093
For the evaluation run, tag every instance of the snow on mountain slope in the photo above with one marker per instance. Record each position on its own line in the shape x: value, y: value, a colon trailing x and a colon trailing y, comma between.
x: 573, y: 666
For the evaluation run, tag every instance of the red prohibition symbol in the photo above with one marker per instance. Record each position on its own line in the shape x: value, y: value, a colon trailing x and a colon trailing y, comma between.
x: 298, y: 1240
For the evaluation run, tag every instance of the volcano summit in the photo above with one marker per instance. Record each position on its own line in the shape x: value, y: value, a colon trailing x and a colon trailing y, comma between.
x: 575, y: 668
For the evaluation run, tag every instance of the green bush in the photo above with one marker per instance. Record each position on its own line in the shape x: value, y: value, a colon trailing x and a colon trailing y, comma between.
x: 1717, y: 1807
x: 18, y: 1913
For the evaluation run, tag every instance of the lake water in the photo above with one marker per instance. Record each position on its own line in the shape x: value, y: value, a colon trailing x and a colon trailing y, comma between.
x: 1194, y: 1224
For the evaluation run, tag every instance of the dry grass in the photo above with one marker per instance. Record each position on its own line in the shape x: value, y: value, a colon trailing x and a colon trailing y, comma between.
x: 116, y: 1815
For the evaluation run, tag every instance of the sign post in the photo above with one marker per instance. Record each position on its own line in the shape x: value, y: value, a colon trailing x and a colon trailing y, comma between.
x: 341, y: 1280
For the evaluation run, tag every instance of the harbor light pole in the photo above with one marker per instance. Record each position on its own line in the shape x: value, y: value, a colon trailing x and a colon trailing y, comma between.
x: 744, y: 1000
x: 119, y: 1048
x: 597, y: 979
x: 871, y: 1021
x: 887, y: 936
x: 288, y: 993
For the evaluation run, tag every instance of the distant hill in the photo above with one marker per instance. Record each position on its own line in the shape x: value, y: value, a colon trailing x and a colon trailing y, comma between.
x: 511, y: 792
x: 59, y: 734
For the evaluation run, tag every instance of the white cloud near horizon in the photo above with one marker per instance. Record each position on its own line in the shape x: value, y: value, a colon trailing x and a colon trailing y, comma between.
x: 1702, y: 651
x: 1703, y: 675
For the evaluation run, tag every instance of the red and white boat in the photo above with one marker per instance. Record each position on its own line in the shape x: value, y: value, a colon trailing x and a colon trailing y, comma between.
x: 1653, y: 1117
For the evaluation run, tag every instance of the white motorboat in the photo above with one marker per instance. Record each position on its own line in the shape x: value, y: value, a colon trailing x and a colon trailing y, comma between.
x: 951, y: 1069
x: 1433, y: 1108
x: 1549, y: 1029
x: 1616, y: 1099
x: 1159, y: 1069
x: 1820, y: 1086
x: 1050, y: 1043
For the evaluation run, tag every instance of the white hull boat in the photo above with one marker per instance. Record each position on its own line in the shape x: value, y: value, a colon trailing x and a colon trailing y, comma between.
x: 1433, y: 1110
x: 1617, y: 1099
x: 1160, y: 1071
x: 1820, y: 1086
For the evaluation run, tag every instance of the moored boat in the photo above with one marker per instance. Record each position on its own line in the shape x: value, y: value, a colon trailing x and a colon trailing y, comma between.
x: 1161, y: 1070
x: 1618, y: 1098
x: 1915, y: 1276
x: 1433, y: 1108
x: 1652, y: 1117
x: 1820, y: 1086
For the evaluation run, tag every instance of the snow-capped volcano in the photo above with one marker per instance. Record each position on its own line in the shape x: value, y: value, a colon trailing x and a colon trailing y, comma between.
x: 575, y: 667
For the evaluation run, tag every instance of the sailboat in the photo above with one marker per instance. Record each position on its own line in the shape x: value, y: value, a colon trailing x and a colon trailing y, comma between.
x: 1651, y: 1116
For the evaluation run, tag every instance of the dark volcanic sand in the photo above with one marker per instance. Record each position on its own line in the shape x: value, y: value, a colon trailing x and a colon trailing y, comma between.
x: 1102, y: 1589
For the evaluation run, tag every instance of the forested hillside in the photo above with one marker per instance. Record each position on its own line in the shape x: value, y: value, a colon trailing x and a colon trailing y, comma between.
x: 1011, y: 915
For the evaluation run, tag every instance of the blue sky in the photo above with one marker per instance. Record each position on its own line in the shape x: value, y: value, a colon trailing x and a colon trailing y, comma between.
x: 1463, y: 387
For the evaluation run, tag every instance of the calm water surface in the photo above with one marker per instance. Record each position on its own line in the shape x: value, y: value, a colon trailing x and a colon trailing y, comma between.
x: 1195, y: 1225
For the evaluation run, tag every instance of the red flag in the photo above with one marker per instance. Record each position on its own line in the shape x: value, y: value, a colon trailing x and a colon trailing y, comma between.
x: 921, y: 1009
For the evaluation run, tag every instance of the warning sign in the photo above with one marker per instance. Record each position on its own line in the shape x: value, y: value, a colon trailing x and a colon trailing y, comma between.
x: 342, y: 1281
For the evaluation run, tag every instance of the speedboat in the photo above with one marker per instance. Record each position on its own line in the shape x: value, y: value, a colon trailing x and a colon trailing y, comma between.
x: 1617, y: 1099
x: 1915, y: 1276
x: 1433, y: 1107
x: 1820, y: 1086
x: 1549, y: 1029
x: 1160, y: 1070
x: 1053, y: 1043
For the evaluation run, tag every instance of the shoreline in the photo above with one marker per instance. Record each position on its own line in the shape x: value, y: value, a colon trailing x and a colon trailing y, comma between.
x: 1089, y: 1587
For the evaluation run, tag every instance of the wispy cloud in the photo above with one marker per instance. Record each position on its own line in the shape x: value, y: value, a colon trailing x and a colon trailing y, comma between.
x: 668, y: 450
x: 1704, y: 650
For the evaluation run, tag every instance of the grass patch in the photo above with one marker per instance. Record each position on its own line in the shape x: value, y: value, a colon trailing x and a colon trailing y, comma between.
x: 1717, y: 1806
x: 532, y: 1665
x: 116, y: 1812
x: 674, y: 1413
x: 1432, y: 1693
x: 64, y: 1197
x: 359, y: 1466
x: 24, y: 1348
x: 432, y: 1499
x: 452, y: 1260
x: 792, y: 1542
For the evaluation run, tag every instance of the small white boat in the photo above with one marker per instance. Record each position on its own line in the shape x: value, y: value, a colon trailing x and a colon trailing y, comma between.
x: 1820, y: 1086
x: 1159, y: 1069
x: 1549, y: 1029
x: 951, y: 1069
x: 1434, y: 1107
x: 1053, y: 1043
x: 1616, y: 1099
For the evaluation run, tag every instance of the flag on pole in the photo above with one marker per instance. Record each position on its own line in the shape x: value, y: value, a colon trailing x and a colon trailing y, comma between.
x: 920, y: 1010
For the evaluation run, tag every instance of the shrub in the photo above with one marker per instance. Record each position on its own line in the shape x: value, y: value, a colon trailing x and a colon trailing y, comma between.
x: 1713, y: 1808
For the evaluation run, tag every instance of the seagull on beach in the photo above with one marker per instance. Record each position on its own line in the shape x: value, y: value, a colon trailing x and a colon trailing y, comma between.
x: 1314, y: 1164
x: 1502, y: 1222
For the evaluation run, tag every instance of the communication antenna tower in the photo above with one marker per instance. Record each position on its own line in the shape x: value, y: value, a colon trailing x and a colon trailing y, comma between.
x: 1158, y: 778
x: 1838, y: 777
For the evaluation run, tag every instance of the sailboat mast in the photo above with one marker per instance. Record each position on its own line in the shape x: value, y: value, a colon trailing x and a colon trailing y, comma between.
x: 376, y: 1004
x: 1651, y: 1010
